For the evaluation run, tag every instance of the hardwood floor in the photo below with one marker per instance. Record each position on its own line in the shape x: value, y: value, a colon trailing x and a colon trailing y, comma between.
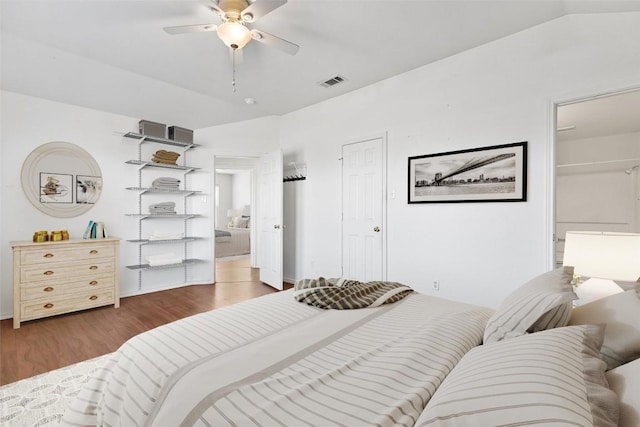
x: 42, y: 345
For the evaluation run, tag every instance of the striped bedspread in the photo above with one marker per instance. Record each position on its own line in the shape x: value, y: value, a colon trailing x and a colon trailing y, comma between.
x: 274, y: 361
x: 341, y: 294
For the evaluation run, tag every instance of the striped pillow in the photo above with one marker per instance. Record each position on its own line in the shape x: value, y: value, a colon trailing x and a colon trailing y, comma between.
x: 545, y: 302
x: 551, y: 377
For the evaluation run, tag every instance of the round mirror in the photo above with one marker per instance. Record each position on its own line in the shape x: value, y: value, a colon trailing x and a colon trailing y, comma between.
x: 61, y: 179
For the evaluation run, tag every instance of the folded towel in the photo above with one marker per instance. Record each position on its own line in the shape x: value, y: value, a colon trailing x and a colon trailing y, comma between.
x: 166, y: 157
x: 163, y: 259
x: 165, y: 236
x: 163, y: 208
x: 166, y: 183
x: 168, y: 261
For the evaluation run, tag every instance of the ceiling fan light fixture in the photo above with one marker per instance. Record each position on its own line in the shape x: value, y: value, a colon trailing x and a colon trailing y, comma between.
x: 234, y: 34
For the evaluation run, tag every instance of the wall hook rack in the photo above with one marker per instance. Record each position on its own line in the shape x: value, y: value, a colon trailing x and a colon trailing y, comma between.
x: 295, y: 172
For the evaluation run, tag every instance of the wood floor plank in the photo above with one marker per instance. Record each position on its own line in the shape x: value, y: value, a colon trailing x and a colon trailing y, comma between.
x: 42, y: 345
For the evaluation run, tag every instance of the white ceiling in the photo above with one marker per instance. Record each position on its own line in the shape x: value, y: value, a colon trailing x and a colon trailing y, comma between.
x: 112, y: 55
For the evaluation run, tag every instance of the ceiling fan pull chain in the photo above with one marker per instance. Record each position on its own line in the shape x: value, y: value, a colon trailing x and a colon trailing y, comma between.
x: 233, y: 64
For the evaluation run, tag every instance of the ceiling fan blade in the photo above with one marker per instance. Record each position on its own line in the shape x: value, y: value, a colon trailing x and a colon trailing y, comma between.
x: 183, y: 29
x: 236, y: 56
x: 259, y: 8
x: 276, y: 42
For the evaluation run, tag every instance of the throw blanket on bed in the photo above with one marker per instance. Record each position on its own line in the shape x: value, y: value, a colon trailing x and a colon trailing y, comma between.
x: 342, y: 294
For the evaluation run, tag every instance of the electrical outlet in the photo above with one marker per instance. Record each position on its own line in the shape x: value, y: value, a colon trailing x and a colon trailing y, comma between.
x: 436, y: 285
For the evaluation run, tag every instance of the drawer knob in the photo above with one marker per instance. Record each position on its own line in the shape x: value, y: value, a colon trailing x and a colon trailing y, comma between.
x: 48, y: 273
x: 48, y: 255
x: 93, y: 282
x: 93, y: 267
x: 48, y: 289
x: 93, y: 297
x: 48, y: 305
x: 93, y: 251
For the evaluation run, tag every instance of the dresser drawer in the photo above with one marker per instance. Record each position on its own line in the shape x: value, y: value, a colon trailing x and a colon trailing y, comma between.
x: 57, y: 273
x: 52, y: 290
x: 52, y: 254
x: 66, y: 304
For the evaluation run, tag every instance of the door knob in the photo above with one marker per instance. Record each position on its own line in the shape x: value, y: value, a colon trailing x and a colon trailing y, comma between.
x: 376, y: 229
x: 277, y: 226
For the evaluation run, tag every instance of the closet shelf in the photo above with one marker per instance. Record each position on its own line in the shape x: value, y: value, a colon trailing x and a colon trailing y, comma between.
x: 164, y: 241
x: 596, y: 167
x: 147, y: 138
x: 144, y: 190
x: 165, y: 216
x: 146, y: 164
x: 162, y: 267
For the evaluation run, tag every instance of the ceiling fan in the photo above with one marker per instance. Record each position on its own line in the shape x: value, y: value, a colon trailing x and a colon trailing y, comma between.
x: 233, y: 31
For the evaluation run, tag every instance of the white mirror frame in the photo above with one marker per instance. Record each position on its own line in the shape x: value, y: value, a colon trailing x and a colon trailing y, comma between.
x: 60, y: 164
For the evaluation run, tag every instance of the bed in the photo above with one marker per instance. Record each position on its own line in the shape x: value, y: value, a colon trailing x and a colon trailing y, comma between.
x: 404, y: 359
x: 232, y: 241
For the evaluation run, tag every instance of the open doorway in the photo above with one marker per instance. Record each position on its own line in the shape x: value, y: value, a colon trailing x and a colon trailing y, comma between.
x: 597, y: 152
x: 234, y: 238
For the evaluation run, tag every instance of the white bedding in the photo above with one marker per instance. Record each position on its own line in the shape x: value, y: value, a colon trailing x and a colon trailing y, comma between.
x: 284, y: 363
x: 238, y: 243
x: 625, y: 381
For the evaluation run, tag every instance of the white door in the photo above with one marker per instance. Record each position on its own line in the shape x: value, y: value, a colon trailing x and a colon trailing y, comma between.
x: 270, y: 219
x: 363, y: 257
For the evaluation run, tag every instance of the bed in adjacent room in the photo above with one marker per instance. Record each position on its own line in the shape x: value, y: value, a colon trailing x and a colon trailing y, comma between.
x: 343, y: 353
x: 232, y: 241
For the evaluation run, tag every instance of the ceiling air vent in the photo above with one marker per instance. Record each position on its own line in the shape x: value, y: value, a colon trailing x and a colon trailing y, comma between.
x: 332, y: 81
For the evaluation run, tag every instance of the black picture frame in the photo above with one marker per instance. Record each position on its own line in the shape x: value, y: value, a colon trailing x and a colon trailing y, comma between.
x: 496, y: 173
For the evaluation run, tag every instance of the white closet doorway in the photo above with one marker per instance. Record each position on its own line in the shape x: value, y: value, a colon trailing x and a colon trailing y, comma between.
x: 597, y: 153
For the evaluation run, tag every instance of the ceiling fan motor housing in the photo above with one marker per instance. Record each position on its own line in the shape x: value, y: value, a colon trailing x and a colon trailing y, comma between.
x: 233, y: 9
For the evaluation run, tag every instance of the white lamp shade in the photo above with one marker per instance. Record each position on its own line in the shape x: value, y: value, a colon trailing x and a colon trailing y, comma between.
x: 234, y: 34
x: 604, y: 255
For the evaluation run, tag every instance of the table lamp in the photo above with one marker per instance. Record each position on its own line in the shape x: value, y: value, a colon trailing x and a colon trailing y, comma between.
x: 599, y: 259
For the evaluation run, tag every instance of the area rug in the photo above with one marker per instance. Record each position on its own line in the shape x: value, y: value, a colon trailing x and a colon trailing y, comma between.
x: 41, y: 400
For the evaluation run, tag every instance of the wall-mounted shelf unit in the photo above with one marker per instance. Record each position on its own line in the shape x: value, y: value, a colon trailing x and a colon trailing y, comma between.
x: 184, y: 263
x: 164, y: 241
x: 141, y: 138
x: 144, y: 190
x: 164, y: 216
x: 182, y: 193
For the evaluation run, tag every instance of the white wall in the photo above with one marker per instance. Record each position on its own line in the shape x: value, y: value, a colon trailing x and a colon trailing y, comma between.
x: 235, y: 193
x: 499, y: 93
x: 241, y: 189
x: 223, y: 181
x: 28, y: 122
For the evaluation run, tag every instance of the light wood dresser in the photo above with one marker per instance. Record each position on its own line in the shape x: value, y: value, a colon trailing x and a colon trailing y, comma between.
x: 60, y: 277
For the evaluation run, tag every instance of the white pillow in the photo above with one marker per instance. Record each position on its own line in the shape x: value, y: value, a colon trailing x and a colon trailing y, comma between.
x: 545, y: 302
x: 625, y: 381
x: 240, y: 222
x: 621, y: 313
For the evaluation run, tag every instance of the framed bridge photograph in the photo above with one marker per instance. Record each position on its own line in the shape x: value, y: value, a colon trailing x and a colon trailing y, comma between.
x: 488, y: 174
